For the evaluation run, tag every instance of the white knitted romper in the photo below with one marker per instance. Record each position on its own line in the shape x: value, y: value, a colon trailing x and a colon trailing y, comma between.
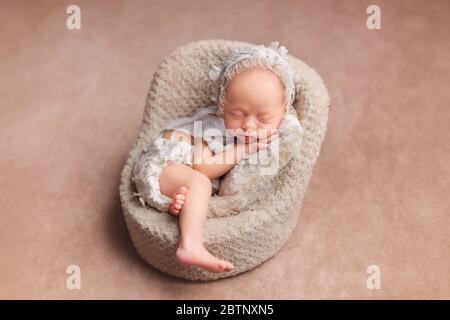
x: 161, y: 151
x: 151, y: 162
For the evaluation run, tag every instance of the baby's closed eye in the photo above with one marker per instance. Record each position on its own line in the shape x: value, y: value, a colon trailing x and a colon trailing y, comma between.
x: 236, y: 113
x: 266, y: 117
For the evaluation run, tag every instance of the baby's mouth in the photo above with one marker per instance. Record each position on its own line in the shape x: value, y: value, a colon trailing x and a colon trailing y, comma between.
x: 247, y: 137
x: 243, y: 136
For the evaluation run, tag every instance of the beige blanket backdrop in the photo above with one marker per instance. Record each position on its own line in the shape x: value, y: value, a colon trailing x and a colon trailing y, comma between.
x: 71, y: 104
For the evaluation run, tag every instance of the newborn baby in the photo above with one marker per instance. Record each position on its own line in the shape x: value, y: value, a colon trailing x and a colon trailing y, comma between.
x: 255, y: 90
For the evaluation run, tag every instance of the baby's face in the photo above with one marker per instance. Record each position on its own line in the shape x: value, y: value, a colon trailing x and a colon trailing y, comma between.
x: 254, y: 104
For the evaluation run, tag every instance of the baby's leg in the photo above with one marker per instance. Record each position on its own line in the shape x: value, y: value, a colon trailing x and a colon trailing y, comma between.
x: 193, y: 215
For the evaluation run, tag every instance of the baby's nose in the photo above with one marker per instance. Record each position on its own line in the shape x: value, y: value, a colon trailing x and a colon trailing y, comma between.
x: 249, y: 124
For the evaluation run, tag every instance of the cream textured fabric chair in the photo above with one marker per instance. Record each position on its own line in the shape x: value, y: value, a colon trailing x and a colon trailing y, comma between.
x: 247, y: 239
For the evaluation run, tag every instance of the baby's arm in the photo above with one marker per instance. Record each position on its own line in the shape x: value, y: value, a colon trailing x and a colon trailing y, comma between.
x: 216, y: 165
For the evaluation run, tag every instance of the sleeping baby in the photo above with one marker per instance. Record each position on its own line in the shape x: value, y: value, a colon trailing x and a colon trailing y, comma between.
x: 180, y: 170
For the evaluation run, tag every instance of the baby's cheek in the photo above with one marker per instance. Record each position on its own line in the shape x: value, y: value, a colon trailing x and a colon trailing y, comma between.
x: 267, y: 130
x: 232, y: 125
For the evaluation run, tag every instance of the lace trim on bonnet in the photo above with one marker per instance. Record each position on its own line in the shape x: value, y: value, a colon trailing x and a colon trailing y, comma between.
x: 272, y: 57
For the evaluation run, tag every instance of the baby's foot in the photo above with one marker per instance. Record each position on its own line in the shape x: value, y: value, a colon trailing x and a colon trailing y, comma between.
x: 200, y: 257
x: 177, y: 201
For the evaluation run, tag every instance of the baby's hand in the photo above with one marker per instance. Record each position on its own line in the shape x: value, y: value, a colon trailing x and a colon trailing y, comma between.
x: 271, y: 135
x: 261, y: 143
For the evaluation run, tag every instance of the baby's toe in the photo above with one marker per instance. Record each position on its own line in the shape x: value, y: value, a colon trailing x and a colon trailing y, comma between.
x: 222, y: 265
x: 183, y: 189
x: 174, y: 211
x: 180, y: 196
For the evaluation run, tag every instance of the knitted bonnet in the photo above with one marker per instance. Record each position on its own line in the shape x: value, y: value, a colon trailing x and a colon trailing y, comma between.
x: 272, y: 57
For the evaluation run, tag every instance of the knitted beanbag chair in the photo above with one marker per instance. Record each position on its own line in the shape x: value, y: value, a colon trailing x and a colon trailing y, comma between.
x: 247, y: 238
